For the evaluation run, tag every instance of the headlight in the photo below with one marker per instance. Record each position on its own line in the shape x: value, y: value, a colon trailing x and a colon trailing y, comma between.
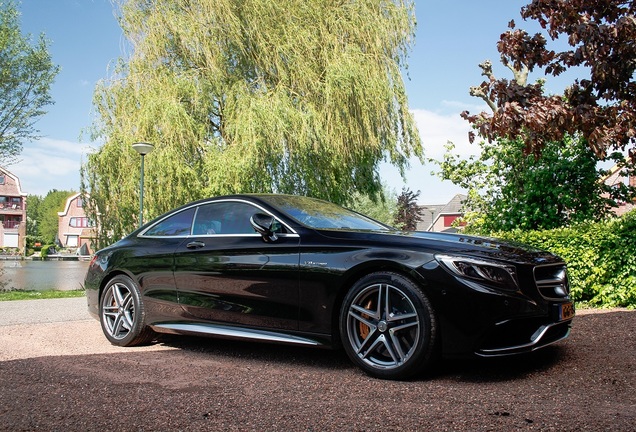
x: 490, y: 273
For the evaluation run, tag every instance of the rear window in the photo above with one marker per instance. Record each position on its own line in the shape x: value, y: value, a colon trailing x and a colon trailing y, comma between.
x: 179, y: 224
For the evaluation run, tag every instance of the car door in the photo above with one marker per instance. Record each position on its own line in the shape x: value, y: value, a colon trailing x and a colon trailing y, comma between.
x: 226, y: 273
x: 151, y: 259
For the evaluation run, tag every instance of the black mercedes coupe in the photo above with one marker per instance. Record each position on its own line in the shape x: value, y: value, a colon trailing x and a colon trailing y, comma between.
x: 296, y: 270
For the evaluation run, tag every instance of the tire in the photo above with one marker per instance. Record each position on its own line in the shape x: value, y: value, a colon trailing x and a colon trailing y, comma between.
x: 388, y: 327
x: 122, y: 313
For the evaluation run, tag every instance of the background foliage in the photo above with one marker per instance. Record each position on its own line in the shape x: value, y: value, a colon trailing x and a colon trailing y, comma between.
x: 600, y: 257
x: 43, y: 220
x: 510, y: 189
x: 382, y: 209
x: 290, y: 96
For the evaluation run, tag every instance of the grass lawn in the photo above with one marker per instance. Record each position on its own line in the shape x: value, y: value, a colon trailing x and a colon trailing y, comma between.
x: 32, y: 295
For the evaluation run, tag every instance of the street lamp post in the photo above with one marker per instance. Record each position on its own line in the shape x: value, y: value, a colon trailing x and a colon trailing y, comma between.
x: 143, y: 149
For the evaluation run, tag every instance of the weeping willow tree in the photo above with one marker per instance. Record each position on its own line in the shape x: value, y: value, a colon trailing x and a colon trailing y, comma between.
x: 285, y: 96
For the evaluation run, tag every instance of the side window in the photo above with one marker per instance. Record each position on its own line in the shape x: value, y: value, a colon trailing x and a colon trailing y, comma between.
x: 176, y: 225
x: 224, y: 218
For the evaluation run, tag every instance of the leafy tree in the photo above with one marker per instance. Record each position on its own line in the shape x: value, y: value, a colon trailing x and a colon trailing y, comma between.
x: 600, y: 35
x: 293, y: 96
x: 382, y: 209
x: 26, y: 75
x: 509, y: 189
x: 408, y: 213
x: 538, y: 169
x: 33, y: 214
x: 50, y: 205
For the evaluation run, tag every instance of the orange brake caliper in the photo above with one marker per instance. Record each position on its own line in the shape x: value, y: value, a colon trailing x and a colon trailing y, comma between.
x: 364, y: 329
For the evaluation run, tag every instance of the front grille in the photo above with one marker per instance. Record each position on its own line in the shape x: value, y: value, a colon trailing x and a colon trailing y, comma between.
x: 552, y: 281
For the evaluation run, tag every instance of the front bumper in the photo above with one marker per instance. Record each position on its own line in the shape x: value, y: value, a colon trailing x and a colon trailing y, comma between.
x: 476, y: 319
x: 515, y: 338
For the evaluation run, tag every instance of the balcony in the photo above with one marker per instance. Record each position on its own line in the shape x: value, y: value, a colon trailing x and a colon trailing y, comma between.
x: 11, y: 224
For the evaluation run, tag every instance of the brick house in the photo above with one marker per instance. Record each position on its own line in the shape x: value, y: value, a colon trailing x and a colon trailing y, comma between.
x: 75, y: 229
x: 440, y: 217
x: 12, y: 211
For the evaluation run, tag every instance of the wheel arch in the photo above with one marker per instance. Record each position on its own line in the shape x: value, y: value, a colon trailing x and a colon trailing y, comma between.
x: 358, y: 272
x: 106, y: 279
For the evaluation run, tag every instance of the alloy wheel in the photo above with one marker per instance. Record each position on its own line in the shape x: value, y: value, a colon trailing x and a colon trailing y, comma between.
x: 118, y: 311
x: 383, y: 326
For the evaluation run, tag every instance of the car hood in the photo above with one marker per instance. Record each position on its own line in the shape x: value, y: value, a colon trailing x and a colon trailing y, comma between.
x: 461, y: 244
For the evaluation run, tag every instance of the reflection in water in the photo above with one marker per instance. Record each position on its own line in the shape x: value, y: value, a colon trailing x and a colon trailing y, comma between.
x: 43, y: 275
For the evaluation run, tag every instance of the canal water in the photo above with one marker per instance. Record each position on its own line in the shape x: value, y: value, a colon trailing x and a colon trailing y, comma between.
x: 43, y: 275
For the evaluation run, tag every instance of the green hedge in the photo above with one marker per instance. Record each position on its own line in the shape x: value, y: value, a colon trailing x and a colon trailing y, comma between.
x: 601, y: 259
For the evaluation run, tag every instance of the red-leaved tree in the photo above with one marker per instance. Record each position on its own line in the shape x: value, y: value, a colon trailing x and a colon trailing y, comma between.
x: 408, y: 213
x: 601, y: 37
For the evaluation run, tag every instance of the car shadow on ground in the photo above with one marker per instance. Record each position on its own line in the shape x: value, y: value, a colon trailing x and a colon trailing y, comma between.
x: 465, y: 369
x: 478, y: 369
x: 259, y: 351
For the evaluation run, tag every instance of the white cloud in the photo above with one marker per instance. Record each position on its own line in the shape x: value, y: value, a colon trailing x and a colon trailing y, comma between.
x: 436, y: 130
x: 49, y: 164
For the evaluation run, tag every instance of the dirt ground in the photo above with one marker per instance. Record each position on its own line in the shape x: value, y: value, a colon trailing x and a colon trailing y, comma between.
x: 64, y: 376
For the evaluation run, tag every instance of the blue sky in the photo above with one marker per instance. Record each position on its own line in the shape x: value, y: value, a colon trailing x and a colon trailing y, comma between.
x: 452, y: 39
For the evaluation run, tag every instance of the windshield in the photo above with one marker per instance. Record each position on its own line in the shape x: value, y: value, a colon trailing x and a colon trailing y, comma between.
x: 318, y: 214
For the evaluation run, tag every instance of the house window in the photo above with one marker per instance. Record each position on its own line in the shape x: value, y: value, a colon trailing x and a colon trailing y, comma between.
x: 79, y: 222
x: 2, y: 179
x: 79, y: 202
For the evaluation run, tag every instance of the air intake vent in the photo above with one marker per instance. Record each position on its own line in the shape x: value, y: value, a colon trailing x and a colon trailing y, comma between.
x: 552, y: 281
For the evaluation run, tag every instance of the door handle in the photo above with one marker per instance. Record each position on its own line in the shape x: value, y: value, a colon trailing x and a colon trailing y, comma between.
x: 195, y: 245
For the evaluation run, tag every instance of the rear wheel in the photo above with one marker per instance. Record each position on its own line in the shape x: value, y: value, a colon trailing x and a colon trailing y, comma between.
x: 122, y: 313
x: 388, y: 327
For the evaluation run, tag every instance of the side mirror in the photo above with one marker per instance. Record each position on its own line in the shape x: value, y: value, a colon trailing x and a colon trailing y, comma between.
x: 263, y: 224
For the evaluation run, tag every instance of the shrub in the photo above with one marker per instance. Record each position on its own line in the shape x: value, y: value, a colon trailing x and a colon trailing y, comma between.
x: 46, y: 249
x: 34, y: 242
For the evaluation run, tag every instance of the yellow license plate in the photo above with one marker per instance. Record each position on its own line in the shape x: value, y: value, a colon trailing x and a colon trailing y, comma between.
x: 566, y: 311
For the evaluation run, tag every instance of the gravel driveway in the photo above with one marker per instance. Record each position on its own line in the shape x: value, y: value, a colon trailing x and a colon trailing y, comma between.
x: 60, y: 374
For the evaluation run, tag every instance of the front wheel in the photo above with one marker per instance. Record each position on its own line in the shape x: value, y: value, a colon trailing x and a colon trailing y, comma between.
x: 388, y: 326
x: 122, y: 313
